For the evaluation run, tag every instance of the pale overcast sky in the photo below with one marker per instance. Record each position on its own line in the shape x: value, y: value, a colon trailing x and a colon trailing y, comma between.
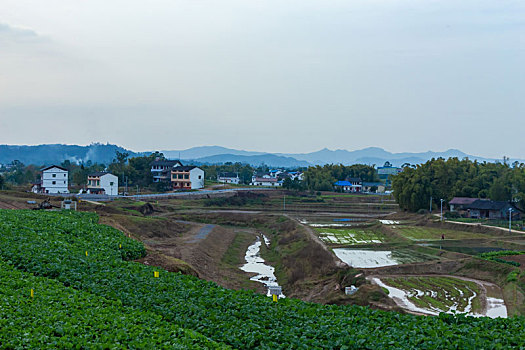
x: 267, y: 75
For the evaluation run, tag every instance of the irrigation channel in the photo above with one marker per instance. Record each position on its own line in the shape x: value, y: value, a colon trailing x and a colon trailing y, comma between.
x: 256, y: 264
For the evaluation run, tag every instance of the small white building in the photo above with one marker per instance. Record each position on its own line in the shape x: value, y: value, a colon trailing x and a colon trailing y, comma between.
x: 54, y: 180
x: 102, y: 183
x: 187, y: 178
x: 229, y: 178
x: 268, y: 182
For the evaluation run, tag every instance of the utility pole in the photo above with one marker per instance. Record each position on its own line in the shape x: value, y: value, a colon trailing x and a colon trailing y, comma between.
x: 284, y: 202
x: 430, y: 204
x: 442, y: 200
x: 510, y: 220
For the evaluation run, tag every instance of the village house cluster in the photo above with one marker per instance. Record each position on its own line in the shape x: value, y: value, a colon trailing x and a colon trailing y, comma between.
x: 275, y: 178
x: 54, y: 180
x: 181, y: 177
x: 357, y: 185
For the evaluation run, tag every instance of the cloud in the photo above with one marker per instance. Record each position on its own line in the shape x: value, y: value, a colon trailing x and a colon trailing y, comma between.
x: 10, y: 34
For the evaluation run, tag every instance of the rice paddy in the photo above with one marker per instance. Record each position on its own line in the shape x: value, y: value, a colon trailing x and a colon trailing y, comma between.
x: 368, y: 258
x: 421, y: 233
x: 349, y: 236
x: 432, y: 295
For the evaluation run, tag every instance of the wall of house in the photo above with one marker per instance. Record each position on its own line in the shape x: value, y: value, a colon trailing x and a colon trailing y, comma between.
x: 105, y: 183
x: 229, y: 180
x: 60, y: 179
x: 197, y: 178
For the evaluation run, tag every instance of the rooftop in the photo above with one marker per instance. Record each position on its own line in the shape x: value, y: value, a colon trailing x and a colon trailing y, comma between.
x: 462, y: 200
x: 184, y: 168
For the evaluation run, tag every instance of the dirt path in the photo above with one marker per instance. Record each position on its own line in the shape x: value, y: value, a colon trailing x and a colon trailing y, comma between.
x: 316, y: 239
x: 488, y: 226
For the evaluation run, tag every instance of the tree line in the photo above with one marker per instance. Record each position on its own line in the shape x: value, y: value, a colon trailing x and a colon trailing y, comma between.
x: 446, y: 179
x: 322, y: 178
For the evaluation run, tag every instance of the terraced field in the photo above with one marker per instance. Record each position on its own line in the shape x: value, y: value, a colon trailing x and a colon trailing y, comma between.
x: 72, y: 255
x: 349, y: 236
x: 441, y: 294
x: 422, y: 233
x: 436, y: 294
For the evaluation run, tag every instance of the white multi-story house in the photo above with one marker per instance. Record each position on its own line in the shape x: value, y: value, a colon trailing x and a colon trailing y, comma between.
x: 54, y: 180
x: 229, y: 178
x: 161, y: 169
x: 187, y: 178
x: 102, y: 183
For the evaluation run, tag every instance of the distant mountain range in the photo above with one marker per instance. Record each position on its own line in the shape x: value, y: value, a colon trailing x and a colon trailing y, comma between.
x: 105, y: 153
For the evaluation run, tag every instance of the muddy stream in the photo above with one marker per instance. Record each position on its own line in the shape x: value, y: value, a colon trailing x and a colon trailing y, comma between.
x: 256, y: 264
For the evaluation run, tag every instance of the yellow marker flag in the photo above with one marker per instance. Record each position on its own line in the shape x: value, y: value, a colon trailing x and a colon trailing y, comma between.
x: 275, y: 298
x: 156, y: 274
x: 86, y: 253
x: 120, y: 246
x: 32, y: 293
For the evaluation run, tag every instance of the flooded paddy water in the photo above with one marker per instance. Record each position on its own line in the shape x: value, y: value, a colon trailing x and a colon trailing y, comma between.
x: 367, y: 258
x: 265, y: 274
x: 349, y: 236
x: 432, y: 295
x: 473, y: 247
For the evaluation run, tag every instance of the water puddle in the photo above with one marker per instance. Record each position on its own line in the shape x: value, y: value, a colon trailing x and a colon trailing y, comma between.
x: 389, y: 222
x: 202, y: 234
x: 496, y: 308
x: 256, y: 264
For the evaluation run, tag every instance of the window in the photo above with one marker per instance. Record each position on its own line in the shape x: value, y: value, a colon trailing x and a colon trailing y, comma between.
x: 64, y: 175
x: 64, y: 181
x: 186, y: 176
x: 111, y: 183
x: 54, y: 175
x: 199, y: 177
x: 54, y: 182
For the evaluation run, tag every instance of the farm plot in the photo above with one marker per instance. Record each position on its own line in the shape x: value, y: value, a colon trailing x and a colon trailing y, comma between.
x: 433, y: 295
x: 367, y: 258
x: 349, y: 236
x: 54, y: 245
x: 421, y: 233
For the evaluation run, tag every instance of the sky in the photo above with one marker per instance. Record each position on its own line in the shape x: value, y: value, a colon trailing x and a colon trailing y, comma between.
x: 284, y: 76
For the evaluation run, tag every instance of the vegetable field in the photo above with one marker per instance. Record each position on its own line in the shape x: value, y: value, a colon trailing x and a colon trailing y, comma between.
x: 88, y: 264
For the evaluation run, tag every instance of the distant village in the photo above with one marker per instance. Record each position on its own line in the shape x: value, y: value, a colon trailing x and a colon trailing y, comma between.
x: 173, y: 175
x: 55, y: 179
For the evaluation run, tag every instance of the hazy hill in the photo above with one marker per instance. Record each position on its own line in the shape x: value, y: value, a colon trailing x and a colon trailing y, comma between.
x: 207, y: 151
x: 56, y: 154
x: 105, y: 153
x: 255, y: 160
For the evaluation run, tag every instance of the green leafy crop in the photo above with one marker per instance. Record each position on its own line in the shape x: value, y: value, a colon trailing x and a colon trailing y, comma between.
x: 53, y: 245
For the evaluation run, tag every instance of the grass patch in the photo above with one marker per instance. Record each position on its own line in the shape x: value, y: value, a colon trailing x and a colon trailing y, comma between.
x: 421, y: 233
x: 234, y: 256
